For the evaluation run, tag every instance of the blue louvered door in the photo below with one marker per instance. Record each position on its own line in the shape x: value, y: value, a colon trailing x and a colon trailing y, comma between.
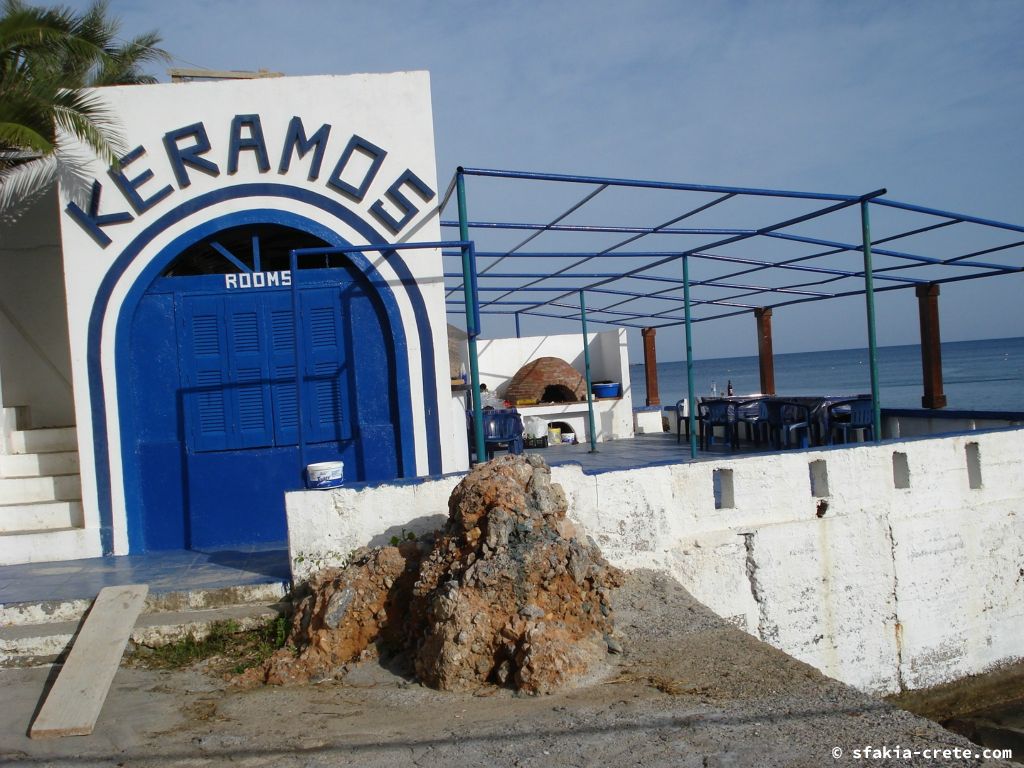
x: 328, y: 412
x: 234, y: 468
x: 217, y: 440
x: 204, y: 372
x: 281, y: 324
x: 225, y: 373
x: 249, y: 372
x: 237, y: 365
x: 238, y: 370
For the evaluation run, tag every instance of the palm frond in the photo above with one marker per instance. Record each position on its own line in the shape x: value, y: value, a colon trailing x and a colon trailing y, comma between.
x: 48, y: 56
x: 24, y: 183
x: 17, y: 135
x: 85, y: 116
x: 40, y: 38
x: 20, y: 186
x: 123, y: 65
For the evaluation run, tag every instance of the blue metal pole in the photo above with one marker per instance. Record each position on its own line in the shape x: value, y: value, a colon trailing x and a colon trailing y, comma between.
x: 869, y: 297
x: 519, y: 334
x: 472, y: 319
x: 300, y: 363
x: 539, y: 228
x: 957, y: 217
x: 586, y: 363
x: 654, y: 184
x: 691, y: 411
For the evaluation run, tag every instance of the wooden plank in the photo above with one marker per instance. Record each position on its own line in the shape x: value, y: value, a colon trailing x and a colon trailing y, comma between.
x: 76, y: 698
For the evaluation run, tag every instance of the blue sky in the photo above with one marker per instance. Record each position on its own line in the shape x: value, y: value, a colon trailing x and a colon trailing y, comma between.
x: 923, y: 98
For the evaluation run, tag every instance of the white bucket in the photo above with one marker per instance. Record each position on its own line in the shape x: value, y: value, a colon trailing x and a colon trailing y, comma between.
x: 325, y: 474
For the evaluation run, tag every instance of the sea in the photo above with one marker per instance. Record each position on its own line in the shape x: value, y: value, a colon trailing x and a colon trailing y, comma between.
x: 983, y: 375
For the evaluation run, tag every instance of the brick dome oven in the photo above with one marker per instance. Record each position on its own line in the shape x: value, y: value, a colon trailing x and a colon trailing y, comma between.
x: 546, y: 380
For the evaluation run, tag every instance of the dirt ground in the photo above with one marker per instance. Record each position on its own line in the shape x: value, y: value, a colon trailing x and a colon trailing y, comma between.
x: 689, y: 690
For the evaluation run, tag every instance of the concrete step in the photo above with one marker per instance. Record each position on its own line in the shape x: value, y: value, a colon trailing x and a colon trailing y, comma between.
x: 43, y: 546
x: 37, y: 633
x: 48, y: 440
x: 39, y: 464
x: 11, y: 420
x: 31, y: 490
x: 207, y: 599
x: 41, y: 612
x: 41, y: 516
x: 37, y: 644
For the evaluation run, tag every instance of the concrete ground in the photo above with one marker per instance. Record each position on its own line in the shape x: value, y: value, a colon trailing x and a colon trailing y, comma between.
x: 689, y: 690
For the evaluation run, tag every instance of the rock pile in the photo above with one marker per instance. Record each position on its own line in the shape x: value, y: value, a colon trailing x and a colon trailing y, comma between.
x: 509, y: 594
x: 506, y: 593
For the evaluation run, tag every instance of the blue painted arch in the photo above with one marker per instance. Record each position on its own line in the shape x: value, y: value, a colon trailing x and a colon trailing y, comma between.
x: 203, y: 229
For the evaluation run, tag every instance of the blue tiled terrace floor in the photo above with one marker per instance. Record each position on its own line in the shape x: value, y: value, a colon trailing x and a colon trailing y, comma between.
x: 163, y: 571
x: 640, y: 451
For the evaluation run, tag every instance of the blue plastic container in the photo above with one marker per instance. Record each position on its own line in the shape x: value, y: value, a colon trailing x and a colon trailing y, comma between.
x: 607, y: 390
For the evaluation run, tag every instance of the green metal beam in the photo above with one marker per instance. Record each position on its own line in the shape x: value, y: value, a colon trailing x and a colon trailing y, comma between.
x: 869, y: 297
x: 691, y: 411
x: 471, y: 330
x: 586, y: 363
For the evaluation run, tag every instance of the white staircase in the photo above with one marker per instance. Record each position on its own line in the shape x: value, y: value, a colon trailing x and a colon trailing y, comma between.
x: 41, y: 515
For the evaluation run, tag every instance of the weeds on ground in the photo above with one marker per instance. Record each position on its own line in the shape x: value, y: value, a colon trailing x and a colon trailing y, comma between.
x: 227, y: 649
x: 406, y: 536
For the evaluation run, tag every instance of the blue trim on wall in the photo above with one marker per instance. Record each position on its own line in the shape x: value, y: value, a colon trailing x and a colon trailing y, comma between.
x: 117, y: 269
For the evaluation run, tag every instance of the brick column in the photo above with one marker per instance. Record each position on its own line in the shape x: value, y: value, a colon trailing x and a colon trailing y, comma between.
x: 931, y: 354
x: 651, y: 366
x: 765, y: 356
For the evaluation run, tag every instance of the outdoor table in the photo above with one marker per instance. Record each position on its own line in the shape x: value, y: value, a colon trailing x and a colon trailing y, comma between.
x: 818, y: 405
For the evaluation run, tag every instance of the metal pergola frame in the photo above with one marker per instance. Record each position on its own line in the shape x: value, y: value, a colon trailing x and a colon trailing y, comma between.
x: 561, y: 293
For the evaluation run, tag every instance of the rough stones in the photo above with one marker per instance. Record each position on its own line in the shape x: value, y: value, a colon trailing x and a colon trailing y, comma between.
x: 508, y: 594
x: 347, y: 614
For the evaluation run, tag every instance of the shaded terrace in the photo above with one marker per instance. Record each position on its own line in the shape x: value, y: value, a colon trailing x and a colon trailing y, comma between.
x: 650, y: 255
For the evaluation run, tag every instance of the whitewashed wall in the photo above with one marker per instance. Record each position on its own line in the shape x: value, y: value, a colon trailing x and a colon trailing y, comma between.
x: 500, y: 359
x: 35, y: 366
x: 393, y: 111
x: 890, y: 588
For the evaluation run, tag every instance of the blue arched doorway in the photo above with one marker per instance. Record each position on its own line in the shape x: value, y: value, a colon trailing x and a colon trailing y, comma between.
x: 209, y: 394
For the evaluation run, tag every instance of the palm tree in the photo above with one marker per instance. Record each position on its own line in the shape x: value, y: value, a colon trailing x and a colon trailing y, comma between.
x: 49, y: 57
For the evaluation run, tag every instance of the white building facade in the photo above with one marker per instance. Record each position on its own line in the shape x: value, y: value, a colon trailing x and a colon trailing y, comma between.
x: 200, y: 371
